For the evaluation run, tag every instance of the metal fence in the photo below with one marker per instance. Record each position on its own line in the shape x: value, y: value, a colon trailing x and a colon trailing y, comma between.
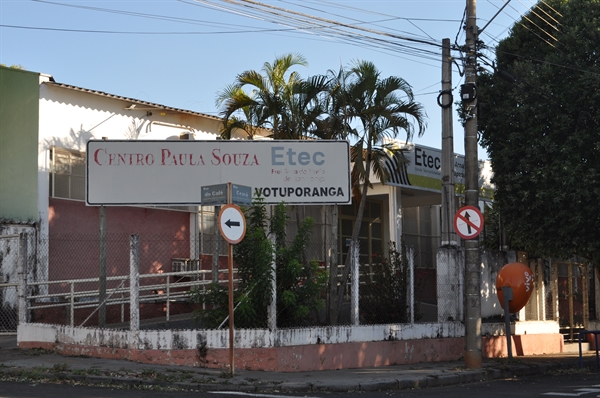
x: 67, y: 287
x: 9, y: 257
x: 64, y: 285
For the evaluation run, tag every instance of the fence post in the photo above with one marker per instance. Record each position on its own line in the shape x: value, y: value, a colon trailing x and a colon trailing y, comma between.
x: 355, y: 315
x: 168, y: 304
x: 134, y: 283
x: 22, y: 275
x: 72, y: 305
x: 411, y: 283
x: 272, y: 308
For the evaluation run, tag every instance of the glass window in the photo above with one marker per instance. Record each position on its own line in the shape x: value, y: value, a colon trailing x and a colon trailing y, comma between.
x: 67, y: 174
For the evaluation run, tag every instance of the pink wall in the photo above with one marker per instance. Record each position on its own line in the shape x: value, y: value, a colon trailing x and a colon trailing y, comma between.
x: 74, y: 239
x: 321, y: 356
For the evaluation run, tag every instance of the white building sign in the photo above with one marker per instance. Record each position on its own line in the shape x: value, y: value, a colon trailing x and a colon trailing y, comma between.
x: 424, y: 171
x: 174, y: 172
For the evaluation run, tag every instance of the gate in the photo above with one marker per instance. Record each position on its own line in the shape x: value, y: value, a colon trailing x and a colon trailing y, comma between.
x: 573, y: 298
x: 9, y: 298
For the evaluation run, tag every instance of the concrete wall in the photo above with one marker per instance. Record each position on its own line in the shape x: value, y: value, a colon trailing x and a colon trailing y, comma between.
x: 286, y: 350
x: 9, y: 261
x: 18, y: 145
x: 258, y: 349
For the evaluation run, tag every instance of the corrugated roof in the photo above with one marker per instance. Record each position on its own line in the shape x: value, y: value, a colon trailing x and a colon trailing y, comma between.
x: 132, y: 100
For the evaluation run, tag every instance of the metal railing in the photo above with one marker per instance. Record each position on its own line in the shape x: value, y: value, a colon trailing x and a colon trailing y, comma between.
x: 75, y: 299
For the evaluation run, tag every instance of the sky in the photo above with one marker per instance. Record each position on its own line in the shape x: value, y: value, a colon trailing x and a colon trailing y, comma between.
x: 182, y: 53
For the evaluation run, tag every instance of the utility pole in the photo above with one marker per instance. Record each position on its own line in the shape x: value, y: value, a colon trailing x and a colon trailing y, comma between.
x: 473, y: 358
x: 445, y: 102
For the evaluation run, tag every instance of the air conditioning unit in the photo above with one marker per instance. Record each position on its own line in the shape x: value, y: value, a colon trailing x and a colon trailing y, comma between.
x: 180, y: 264
x: 184, y: 265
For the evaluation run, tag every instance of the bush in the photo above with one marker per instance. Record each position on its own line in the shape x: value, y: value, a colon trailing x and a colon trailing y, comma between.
x: 383, y: 293
x: 299, y: 282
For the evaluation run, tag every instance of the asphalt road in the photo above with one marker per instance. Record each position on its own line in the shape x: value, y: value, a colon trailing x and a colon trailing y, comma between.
x: 558, y: 384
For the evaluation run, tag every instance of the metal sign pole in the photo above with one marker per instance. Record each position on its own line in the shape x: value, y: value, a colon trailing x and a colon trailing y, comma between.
x: 230, y: 268
x: 507, y: 294
x: 230, y: 272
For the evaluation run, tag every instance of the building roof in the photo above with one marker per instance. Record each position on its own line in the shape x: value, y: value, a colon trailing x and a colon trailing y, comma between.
x: 137, y: 104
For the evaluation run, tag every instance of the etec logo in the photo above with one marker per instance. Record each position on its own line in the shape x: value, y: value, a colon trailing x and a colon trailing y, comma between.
x: 425, y: 160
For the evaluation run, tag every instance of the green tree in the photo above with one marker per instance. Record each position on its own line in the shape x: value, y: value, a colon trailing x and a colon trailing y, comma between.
x: 540, y: 123
x: 253, y: 257
x: 300, y: 283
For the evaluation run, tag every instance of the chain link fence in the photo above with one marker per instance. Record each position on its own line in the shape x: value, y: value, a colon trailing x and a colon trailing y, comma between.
x: 71, y: 291
x: 74, y: 292
x: 66, y: 287
x: 9, y: 257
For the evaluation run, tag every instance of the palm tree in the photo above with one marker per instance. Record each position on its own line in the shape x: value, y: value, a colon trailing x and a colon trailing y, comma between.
x: 270, y: 92
x: 305, y: 107
x: 383, y: 107
x: 234, y: 96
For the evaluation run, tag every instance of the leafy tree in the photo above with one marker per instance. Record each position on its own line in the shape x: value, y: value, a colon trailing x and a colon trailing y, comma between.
x: 15, y: 66
x: 540, y: 123
x: 300, y: 283
x: 253, y: 257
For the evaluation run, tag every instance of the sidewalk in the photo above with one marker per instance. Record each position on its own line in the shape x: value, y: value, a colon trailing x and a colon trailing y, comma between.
x: 40, y: 364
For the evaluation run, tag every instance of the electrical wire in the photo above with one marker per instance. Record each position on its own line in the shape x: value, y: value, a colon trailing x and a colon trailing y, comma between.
x: 387, y: 41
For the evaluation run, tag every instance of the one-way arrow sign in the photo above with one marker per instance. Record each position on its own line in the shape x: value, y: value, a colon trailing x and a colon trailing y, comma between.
x: 232, y: 223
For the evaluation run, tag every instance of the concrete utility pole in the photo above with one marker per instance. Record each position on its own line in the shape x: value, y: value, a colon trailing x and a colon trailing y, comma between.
x: 473, y: 358
x: 445, y: 101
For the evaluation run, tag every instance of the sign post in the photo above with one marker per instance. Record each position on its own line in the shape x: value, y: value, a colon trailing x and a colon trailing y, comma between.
x: 232, y: 225
x: 508, y: 296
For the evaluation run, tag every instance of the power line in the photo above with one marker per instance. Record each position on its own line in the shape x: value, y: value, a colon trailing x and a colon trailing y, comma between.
x: 298, y: 16
x: 120, y: 32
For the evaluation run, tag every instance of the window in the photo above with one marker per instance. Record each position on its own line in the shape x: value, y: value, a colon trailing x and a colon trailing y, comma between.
x: 67, y: 174
x: 370, y: 236
x: 418, y: 231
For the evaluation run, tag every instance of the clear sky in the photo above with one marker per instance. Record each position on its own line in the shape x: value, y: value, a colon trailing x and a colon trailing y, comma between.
x: 180, y: 53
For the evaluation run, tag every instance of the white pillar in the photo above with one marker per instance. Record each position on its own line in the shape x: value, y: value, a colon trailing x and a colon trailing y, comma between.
x: 354, y: 315
x: 450, y: 284
x: 411, y: 284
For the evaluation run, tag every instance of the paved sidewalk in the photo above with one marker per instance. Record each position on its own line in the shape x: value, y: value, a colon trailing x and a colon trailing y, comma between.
x: 41, y: 364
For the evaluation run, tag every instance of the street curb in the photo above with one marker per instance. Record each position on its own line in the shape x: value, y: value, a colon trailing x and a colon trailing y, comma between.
x: 394, y: 382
